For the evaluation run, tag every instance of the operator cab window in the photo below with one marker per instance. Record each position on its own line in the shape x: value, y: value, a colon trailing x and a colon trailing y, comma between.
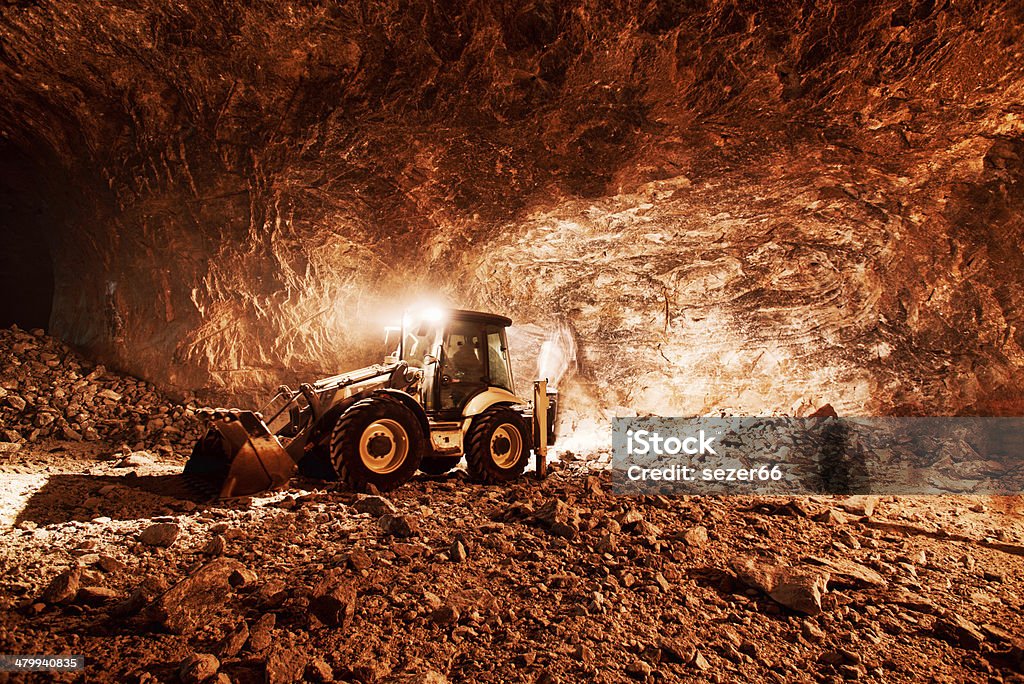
x: 465, y: 361
x: 497, y: 359
x: 465, y: 373
x: 418, y: 343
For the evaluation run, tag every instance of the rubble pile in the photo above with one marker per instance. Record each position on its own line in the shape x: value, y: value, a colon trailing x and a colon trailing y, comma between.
x: 47, y: 390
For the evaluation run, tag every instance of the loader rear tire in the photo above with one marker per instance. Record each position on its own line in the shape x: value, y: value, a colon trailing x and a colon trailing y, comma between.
x: 439, y: 465
x: 378, y: 441
x: 500, y: 443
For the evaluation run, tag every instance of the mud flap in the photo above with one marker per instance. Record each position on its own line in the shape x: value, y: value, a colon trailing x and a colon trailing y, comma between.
x: 240, y: 456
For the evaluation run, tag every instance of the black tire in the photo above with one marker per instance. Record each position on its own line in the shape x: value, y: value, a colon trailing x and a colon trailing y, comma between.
x: 439, y: 465
x: 368, y: 442
x: 499, y: 445
x: 317, y: 464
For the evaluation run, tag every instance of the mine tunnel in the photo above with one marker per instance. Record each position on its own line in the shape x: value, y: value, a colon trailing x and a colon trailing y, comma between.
x: 28, y: 223
x: 512, y: 341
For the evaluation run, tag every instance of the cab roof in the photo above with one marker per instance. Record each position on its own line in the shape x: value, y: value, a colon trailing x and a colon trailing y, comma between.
x: 466, y: 315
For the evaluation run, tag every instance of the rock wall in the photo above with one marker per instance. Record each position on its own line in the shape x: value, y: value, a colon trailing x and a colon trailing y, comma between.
x: 743, y: 205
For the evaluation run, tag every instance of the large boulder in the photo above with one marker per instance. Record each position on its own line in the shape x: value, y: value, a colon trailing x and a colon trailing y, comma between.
x: 189, y: 603
x: 799, y: 589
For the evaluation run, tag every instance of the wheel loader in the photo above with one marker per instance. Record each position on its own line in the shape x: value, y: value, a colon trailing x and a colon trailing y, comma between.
x: 444, y: 391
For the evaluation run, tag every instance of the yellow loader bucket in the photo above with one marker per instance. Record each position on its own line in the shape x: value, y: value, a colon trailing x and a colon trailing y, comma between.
x: 239, y: 455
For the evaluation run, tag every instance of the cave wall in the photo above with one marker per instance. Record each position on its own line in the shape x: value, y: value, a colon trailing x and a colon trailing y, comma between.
x: 749, y: 205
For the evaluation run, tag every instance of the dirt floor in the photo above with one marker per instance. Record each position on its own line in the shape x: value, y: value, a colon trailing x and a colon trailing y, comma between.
x: 540, y: 581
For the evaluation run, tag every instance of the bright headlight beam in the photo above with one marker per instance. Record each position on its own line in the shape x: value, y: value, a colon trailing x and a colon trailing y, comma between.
x: 433, y: 314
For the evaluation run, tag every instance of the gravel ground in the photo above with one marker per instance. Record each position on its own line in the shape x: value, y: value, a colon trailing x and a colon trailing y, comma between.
x: 444, y: 580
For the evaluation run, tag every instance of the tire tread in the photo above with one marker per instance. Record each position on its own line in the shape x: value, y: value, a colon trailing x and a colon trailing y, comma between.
x: 340, y: 436
x: 478, y: 458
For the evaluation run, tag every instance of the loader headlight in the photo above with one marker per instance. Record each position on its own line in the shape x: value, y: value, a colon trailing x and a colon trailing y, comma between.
x: 433, y: 315
x: 419, y: 317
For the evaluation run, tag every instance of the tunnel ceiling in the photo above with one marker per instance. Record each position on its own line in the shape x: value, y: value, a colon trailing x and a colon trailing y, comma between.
x: 750, y: 205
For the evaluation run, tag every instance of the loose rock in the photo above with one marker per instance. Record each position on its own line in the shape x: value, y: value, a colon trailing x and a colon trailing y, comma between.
x: 261, y: 636
x: 136, y: 459
x: 696, y: 537
x: 63, y: 588
x: 639, y: 669
x: 96, y: 596
x: 242, y: 578
x: 197, y: 668
x: 160, y: 534
x: 233, y: 640
x: 795, y: 588
x: 559, y: 518
x: 374, y: 505
x: 959, y: 631
x: 403, y: 526
x: 284, y: 665
x: 446, y: 615
x: 333, y: 600
x: 317, y: 670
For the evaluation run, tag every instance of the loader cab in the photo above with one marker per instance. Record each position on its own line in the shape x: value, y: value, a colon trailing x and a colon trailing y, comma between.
x: 461, y: 353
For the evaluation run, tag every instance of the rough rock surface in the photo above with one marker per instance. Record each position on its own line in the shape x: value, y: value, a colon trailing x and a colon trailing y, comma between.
x: 285, y: 665
x: 233, y: 640
x: 63, y: 588
x: 711, y: 196
x: 198, y: 668
x: 261, y: 636
x: 333, y: 600
x: 374, y: 505
x: 796, y: 588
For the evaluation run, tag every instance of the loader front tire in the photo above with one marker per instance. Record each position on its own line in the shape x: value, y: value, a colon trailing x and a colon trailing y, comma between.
x: 499, y: 446
x: 377, y: 441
